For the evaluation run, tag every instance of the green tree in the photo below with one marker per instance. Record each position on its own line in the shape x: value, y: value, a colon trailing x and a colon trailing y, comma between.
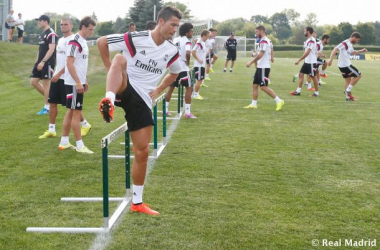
x: 336, y: 36
x: 93, y: 16
x: 298, y: 35
x: 249, y: 30
x: 346, y: 29
x: 292, y: 15
x: 281, y: 26
x: 120, y: 25
x: 311, y: 20
x: 368, y: 33
x: 232, y: 25
x: 105, y: 28
x: 136, y: 11
x: 376, y: 27
x: 182, y: 7
x: 259, y: 19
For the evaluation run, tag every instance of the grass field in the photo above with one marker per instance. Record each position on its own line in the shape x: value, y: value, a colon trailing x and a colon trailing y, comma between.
x: 231, y: 179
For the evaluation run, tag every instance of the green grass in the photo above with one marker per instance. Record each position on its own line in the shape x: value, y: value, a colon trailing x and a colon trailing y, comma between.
x: 231, y: 179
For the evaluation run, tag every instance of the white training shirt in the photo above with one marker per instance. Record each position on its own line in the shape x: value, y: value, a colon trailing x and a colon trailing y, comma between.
x: 311, y: 44
x: 61, y: 49
x: 345, y: 50
x: 210, y: 43
x: 266, y: 46
x: 20, y: 26
x: 146, y: 62
x: 200, y: 48
x: 77, y: 48
x: 183, y: 44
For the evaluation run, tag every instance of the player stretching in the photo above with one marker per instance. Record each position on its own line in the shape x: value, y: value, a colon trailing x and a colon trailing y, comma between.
x: 211, y: 56
x: 76, y: 84
x: 310, y: 65
x: 199, y: 53
x: 184, y: 46
x: 261, y: 78
x: 350, y: 74
x: 132, y: 78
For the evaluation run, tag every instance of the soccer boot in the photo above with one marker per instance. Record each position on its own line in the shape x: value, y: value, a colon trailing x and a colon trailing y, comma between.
x: 84, y: 150
x: 66, y: 146
x: 43, y: 112
x: 250, y: 106
x: 295, y: 93
x: 48, y: 134
x: 314, y: 95
x: 143, y: 208
x: 199, y: 97
x: 204, y: 85
x: 84, y: 130
x: 280, y: 105
x: 211, y: 70
x: 323, y: 75
x: 106, y: 108
x: 191, y: 116
x: 311, y: 89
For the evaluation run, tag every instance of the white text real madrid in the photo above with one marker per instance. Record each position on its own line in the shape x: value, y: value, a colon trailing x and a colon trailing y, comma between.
x: 349, y: 243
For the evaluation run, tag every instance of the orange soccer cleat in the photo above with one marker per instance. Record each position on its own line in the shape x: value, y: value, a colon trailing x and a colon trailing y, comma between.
x: 143, y: 208
x: 106, y: 108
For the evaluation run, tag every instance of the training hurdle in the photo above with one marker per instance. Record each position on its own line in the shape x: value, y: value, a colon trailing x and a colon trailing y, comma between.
x: 179, y: 103
x: 108, y: 222
x: 157, y: 147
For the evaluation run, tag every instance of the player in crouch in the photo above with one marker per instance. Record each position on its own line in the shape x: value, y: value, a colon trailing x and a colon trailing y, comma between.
x: 261, y: 78
x: 132, y: 79
x: 350, y: 74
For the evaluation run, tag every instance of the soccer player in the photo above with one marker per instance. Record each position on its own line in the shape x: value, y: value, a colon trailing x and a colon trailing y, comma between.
x: 20, y: 28
x: 231, y: 47
x: 57, y: 92
x: 45, y: 62
x: 150, y: 25
x: 261, y: 78
x: 199, y: 53
x: 211, y: 56
x: 76, y: 84
x: 132, y: 78
x: 350, y: 74
x: 132, y: 27
x: 184, y: 46
x: 310, y: 65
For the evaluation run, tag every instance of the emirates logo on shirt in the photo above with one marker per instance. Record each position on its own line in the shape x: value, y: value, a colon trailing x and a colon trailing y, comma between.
x: 151, y: 67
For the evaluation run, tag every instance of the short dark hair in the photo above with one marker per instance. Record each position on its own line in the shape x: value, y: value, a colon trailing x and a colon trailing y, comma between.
x: 167, y: 12
x: 356, y: 34
x: 150, y: 25
x: 310, y: 29
x: 262, y: 28
x: 204, y: 33
x: 211, y: 29
x: 86, y: 21
x: 184, y: 28
x: 132, y: 24
x: 325, y: 37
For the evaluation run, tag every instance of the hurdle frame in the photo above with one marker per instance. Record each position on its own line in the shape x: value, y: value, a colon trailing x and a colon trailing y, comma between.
x: 108, y: 222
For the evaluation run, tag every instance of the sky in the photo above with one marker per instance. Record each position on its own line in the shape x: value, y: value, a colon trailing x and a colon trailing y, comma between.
x: 328, y: 11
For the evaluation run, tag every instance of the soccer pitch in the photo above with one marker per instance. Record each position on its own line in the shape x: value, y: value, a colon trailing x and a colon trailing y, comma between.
x: 231, y: 179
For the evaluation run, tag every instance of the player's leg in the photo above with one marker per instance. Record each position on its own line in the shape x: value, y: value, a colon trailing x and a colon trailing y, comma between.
x: 214, y: 58
x: 316, y: 85
x: 66, y: 126
x: 168, y: 97
x: 116, y: 83
x: 255, y: 90
x: 199, y: 76
x: 308, y: 82
x: 84, y: 124
x: 35, y: 83
x: 232, y: 64
x: 46, y: 86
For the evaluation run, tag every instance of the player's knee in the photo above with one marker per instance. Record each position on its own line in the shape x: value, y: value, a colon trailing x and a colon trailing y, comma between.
x: 141, y: 153
x: 119, y: 61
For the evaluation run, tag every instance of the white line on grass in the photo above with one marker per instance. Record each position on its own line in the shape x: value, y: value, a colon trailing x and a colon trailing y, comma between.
x: 102, y: 240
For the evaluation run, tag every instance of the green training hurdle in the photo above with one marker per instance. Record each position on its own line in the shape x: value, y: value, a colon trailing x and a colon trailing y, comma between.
x: 108, y: 222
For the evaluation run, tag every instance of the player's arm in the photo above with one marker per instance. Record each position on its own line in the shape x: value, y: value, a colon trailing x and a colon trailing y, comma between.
x: 258, y: 57
x: 71, y: 68
x: 332, y: 55
x: 357, y: 52
x: 104, y: 52
x: 58, y: 75
x: 188, y: 53
x: 166, y: 82
x: 47, y: 56
x: 307, y: 52
x: 194, y: 53
x: 271, y: 55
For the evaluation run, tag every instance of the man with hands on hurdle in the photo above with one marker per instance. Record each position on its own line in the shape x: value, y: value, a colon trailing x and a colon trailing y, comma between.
x: 132, y: 84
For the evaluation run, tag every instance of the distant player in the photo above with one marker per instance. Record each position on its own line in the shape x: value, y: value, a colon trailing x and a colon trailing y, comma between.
x: 261, y: 78
x: 310, y: 65
x: 76, y: 84
x: 45, y: 62
x: 57, y: 92
x: 231, y: 47
x: 350, y: 74
x: 184, y: 78
x: 199, y: 53
x: 132, y: 78
x: 211, y: 57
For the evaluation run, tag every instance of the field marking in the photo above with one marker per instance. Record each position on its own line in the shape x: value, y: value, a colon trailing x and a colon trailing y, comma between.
x: 102, y: 240
x: 304, y: 100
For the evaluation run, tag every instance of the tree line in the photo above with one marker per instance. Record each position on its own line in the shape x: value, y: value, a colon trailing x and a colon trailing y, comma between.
x: 283, y: 27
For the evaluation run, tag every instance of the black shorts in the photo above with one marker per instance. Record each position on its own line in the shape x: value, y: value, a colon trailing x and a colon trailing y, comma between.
x: 137, y: 113
x: 208, y: 57
x: 309, y: 69
x: 350, y: 71
x: 261, y: 77
x: 185, y: 78
x: 11, y: 27
x: 320, y: 62
x: 73, y: 99
x: 46, y: 72
x: 199, y: 73
x: 231, y: 55
x: 20, y: 32
x: 57, y: 92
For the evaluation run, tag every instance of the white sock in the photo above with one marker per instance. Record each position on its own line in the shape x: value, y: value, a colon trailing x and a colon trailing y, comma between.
x: 319, y: 81
x: 322, y: 72
x: 316, y: 92
x: 51, y: 128
x: 196, y: 94
x: 277, y: 99
x: 308, y: 84
x: 296, y: 75
x: 187, y: 109
x: 231, y: 68
x: 112, y: 96
x: 47, y: 106
x: 298, y: 90
x: 137, y: 194
x: 80, y: 144
x: 254, y: 103
x: 84, y: 123
x: 211, y: 66
x: 167, y: 106
x: 64, y: 140
x: 207, y: 75
x: 225, y: 69
x: 349, y: 88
